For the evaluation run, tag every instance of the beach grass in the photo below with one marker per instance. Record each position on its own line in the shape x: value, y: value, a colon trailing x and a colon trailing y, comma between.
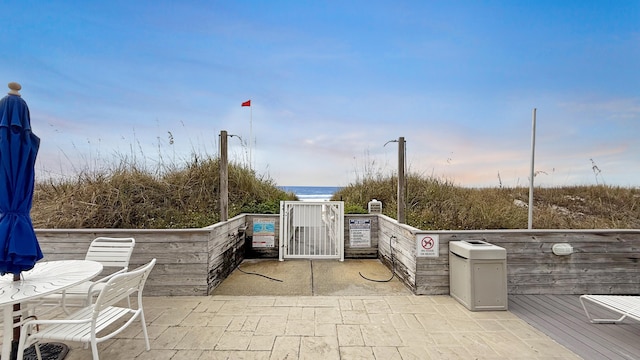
x: 437, y: 204
x: 130, y: 196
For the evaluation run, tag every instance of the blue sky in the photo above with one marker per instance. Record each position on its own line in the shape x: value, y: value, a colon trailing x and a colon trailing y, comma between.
x: 331, y: 82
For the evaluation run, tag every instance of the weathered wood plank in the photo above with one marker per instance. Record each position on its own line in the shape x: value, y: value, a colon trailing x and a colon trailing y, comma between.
x: 568, y: 289
x: 161, y: 290
x: 226, y: 250
x: 432, y: 289
x: 401, y: 254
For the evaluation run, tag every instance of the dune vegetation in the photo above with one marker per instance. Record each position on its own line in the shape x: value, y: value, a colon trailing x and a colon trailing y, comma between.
x: 435, y: 204
x: 131, y: 197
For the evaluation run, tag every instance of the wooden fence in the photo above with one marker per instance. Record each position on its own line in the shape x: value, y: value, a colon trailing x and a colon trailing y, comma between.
x: 195, y: 261
x: 602, y: 262
x: 189, y: 261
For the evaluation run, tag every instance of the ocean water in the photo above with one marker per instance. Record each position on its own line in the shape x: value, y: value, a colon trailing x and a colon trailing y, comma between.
x: 312, y: 193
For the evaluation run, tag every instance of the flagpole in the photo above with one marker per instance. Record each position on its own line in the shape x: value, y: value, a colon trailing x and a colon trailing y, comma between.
x: 250, y: 136
x: 248, y: 103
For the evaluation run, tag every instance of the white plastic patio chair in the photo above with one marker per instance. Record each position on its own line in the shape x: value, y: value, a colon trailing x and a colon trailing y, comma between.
x: 92, y: 324
x: 626, y: 306
x: 114, y: 255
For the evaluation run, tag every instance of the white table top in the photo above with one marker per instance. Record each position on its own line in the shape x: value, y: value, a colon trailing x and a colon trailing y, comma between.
x: 46, y: 278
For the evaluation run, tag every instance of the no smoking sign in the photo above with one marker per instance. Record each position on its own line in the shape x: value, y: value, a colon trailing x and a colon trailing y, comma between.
x: 427, y: 245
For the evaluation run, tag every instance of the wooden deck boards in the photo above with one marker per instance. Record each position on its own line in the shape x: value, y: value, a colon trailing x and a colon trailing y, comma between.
x: 562, y: 318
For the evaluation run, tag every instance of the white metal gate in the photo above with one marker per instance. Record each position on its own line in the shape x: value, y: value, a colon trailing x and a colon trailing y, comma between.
x: 311, y: 230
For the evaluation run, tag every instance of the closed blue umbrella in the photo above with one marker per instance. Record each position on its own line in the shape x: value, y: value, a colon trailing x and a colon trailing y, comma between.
x: 19, y: 249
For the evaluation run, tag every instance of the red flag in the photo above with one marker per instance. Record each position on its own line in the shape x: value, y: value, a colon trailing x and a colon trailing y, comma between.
x: 247, y: 103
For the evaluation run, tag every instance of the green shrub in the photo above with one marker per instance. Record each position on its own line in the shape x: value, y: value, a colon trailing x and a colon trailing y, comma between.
x: 354, y: 209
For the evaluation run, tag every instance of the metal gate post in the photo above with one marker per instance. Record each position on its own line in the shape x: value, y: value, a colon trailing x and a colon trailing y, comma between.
x: 283, y: 230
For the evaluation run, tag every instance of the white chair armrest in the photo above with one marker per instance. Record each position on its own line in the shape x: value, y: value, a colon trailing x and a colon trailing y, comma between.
x: 28, y: 324
x: 32, y: 322
x: 91, y: 290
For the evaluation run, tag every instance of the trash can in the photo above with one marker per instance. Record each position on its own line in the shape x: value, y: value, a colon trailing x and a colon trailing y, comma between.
x: 478, y: 275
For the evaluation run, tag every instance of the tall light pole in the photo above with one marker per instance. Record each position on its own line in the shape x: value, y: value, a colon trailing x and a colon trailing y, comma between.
x: 401, y: 180
x: 224, y: 177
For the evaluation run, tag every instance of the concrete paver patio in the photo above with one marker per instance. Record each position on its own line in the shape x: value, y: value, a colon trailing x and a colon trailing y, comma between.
x: 322, y: 310
x: 325, y: 327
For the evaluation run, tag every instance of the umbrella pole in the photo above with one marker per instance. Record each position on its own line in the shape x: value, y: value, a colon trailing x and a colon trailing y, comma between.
x: 16, y: 328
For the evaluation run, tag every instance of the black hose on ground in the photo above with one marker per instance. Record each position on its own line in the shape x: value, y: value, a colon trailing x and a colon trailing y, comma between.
x: 253, y: 273
x: 393, y: 264
x: 234, y: 238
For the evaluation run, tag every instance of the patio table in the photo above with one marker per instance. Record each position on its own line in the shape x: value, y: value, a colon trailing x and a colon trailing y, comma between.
x: 45, y: 278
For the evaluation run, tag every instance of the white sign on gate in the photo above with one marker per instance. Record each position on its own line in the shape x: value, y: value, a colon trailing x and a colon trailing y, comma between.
x: 359, y: 233
x: 427, y: 245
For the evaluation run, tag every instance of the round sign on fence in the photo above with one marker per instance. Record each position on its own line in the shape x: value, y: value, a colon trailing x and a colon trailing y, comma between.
x: 427, y: 245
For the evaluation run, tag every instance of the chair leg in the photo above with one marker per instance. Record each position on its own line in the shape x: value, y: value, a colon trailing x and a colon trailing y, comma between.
x: 144, y: 330
x: 94, y: 350
x: 23, y: 342
x: 599, y: 321
x: 37, y: 347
